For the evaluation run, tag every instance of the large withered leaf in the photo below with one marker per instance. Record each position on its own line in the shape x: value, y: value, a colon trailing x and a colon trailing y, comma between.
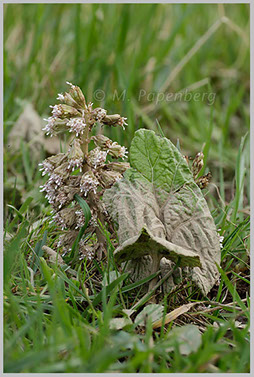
x: 28, y: 128
x: 159, y: 207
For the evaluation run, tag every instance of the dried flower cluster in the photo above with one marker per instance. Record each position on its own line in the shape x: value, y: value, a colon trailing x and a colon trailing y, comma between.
x: 81, y: 171
x: 196, y: 167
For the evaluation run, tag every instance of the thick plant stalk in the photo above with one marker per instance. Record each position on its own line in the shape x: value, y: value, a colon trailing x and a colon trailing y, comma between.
x: 85, y: 140
x: 155, y: 267
x: 145, y: 298
x: 100, y: 236
x: 93, y: 201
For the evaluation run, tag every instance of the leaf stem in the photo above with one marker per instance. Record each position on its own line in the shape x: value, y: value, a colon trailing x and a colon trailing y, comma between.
x: 144, y: 299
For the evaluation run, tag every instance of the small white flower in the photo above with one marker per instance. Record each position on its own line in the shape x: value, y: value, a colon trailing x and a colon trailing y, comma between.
x: 117, y: 150
x: 123, y: 153
x: 48, y: 187
x: 75, y: 164
x: 69, y: 83
x: 56, y: 179
x: 65, y: 218
x: 61, y: 198
x: 56, y: 110
x: 59, y: 220
x: 75, y: 155
x: 49, y: 128
x: 93, y: 221
x: 77, y: 125
x: 89, y: 107
x: 101, y: 114
x: 60, y: 241
x: 97, y: 157
x: 122, y: 122
x: 50, y: 190
x: 46, y: 167
x: 86, y: 251
x: 80, y: 219
x: 88, y: 183
x: 60, y: 97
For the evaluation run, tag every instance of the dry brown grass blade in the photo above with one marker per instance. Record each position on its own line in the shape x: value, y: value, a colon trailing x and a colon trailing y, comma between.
x: 186, y: 307
x: 174, y: 314
x: 217, y: 306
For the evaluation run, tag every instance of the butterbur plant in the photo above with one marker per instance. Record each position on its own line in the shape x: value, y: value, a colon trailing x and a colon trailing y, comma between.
x: 83, y: 171
x: 156, y: 205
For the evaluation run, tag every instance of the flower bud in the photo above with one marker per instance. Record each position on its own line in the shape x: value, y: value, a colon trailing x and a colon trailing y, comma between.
x: 51, y: 189
x: 203, y: 181
x: 117, y: 151
x: 186, y: 159
x: 64, y: 111
x: 75, y: 155
x: 66, y: 240
x: 60, y: 174
x: 102, y: 141
x: 55, y: 125
x: 67, y: 99
x: 50, y: 163
x: 65, y: 218
x: 77, y: 125
x: 64, y: 196
x: 118, y: 166
x: 80, y: 219
x: 77, y: 95
x: 197, y: 164
x: 88, y: 183
x: 86, y: 251
x: 99, y: 114
x: 115, y: 120
x: 96, y: 157
x: 108, y: 177
x: 73, y: 180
